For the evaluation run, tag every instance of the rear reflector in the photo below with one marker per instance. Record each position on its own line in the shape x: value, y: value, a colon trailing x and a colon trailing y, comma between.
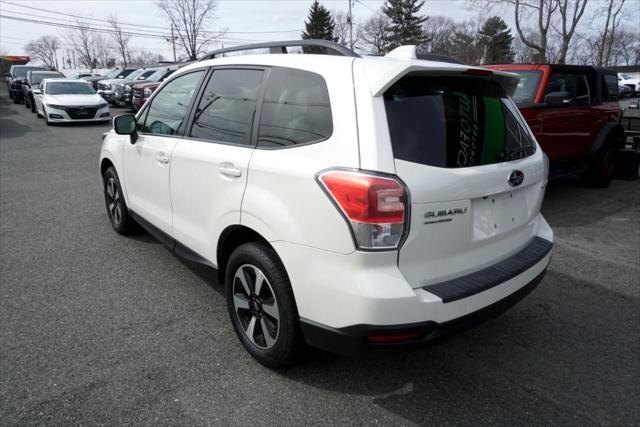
x: 393, y: 338
x: 374, y: 205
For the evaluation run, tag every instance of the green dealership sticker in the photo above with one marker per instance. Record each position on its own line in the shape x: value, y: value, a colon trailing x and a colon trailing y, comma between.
x: 493, y: 131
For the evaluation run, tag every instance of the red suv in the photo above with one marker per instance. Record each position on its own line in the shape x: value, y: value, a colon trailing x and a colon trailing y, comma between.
x: 575, y: 115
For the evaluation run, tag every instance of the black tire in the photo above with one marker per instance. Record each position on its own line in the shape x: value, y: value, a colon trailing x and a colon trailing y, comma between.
x: 602, y: 167
x: 32, y: 104
x: 116, y: 206
x: 16, y: 100
x: 26, y: 103
x: 286, y: 343
x: 10, y: 94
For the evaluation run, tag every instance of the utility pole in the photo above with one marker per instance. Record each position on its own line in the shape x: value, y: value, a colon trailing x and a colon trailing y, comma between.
x: 173, y: 43
x: 350, y: 22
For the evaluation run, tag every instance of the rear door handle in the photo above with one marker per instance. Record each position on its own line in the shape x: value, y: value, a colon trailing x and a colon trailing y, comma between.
x: 230, y: 171
x: 162, y: 158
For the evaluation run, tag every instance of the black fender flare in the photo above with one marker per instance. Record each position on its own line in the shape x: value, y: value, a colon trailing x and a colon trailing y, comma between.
x: 609, y: 129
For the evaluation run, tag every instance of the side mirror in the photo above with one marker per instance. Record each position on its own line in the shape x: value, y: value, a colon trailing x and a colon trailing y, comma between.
x: 37, y: 92
x: 557, y: 99
x: 126, y: 125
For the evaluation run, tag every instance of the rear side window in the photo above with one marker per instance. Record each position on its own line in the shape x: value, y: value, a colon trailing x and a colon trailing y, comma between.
x: 609, y: 87
x: 296, y: 109
x: 227, y: 107
x: 454, y: 122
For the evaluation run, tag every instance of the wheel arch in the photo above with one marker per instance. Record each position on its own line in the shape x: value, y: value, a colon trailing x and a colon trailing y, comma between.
x: 105, y: 164
x: 230, y: 238
x: 609, y: 130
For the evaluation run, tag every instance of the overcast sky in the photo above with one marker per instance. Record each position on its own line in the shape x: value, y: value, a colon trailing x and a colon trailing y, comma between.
x: 246, y: 20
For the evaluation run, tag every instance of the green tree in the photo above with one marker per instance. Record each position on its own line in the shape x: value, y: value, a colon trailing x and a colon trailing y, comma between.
x: 320, y: 24
x: 406, y: 23
x: 496, y: 41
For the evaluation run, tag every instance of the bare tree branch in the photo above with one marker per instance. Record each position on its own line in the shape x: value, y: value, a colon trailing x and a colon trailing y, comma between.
x: 121, y: 40
x: 189, y: 19
x: 45, y: 49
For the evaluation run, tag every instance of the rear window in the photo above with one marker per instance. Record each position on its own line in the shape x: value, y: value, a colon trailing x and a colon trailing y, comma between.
x: 454, y: 122
x: 609, y: 87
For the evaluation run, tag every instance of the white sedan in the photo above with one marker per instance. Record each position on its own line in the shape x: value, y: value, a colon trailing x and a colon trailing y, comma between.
x: 67, y: 100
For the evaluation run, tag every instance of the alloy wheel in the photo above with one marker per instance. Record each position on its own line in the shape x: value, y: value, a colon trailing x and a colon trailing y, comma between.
x: 113, y: 201
x: 255, y: 305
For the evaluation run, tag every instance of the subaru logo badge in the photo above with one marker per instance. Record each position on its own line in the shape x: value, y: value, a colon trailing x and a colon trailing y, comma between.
x: 515, y: 178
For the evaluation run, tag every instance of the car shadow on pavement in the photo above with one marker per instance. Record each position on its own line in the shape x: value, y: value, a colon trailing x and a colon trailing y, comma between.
x: 11, y: 129
x: 538, y: 363
x: 566, y: 198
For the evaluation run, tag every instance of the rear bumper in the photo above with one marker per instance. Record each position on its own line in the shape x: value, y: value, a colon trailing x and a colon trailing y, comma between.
x: 342, y: 299
x: 351, y: 339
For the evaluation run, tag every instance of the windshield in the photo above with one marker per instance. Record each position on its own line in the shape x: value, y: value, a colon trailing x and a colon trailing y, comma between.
x: 69, y: 88
x: 454, y: 122
x: 133, y: 75
x: 625, y: 76
x: 22, y: 71
x: 38, y: 77
x: 527, y: 89
x: 156, y: 76
x: 112, y: 73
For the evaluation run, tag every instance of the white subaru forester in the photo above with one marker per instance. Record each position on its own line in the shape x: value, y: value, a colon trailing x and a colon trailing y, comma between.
x: 345, y: 201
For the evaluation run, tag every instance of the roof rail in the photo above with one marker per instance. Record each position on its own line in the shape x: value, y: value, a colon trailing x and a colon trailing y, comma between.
x: 330, y: 48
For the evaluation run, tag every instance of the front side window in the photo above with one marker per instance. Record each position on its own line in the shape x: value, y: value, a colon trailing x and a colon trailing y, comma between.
x: 296, y: 109
x: 575, y: 87
x: 454, y: 122
x: 226, y: 109
x: 169, y: 107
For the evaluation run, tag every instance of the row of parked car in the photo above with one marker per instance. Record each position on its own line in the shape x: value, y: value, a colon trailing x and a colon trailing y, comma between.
x: 119, y: 87
x: 129, y: 86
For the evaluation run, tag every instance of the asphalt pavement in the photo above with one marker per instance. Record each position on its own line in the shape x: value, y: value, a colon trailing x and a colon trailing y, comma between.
x: 96, y: 328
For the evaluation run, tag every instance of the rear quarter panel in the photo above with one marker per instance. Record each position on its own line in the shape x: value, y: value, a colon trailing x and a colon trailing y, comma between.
x: 282, y: 200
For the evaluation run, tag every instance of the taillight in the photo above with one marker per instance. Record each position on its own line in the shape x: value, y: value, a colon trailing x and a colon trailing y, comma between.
x: 374, y: 206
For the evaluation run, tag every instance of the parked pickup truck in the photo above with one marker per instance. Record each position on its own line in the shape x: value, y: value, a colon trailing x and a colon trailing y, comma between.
x: 575, y: 115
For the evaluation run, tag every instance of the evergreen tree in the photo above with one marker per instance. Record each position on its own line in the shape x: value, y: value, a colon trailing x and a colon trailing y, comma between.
x: 496, y: 41
x: 406, y: 24
x: 320, y: 24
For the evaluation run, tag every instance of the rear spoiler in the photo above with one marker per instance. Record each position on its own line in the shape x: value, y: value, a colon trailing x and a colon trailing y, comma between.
x: 382, y: 73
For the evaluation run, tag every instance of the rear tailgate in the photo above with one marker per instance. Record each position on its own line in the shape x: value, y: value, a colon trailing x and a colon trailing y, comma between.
x: 455, y: 140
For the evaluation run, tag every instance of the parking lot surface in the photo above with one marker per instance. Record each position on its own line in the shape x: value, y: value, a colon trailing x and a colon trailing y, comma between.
x: 97, y: 328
